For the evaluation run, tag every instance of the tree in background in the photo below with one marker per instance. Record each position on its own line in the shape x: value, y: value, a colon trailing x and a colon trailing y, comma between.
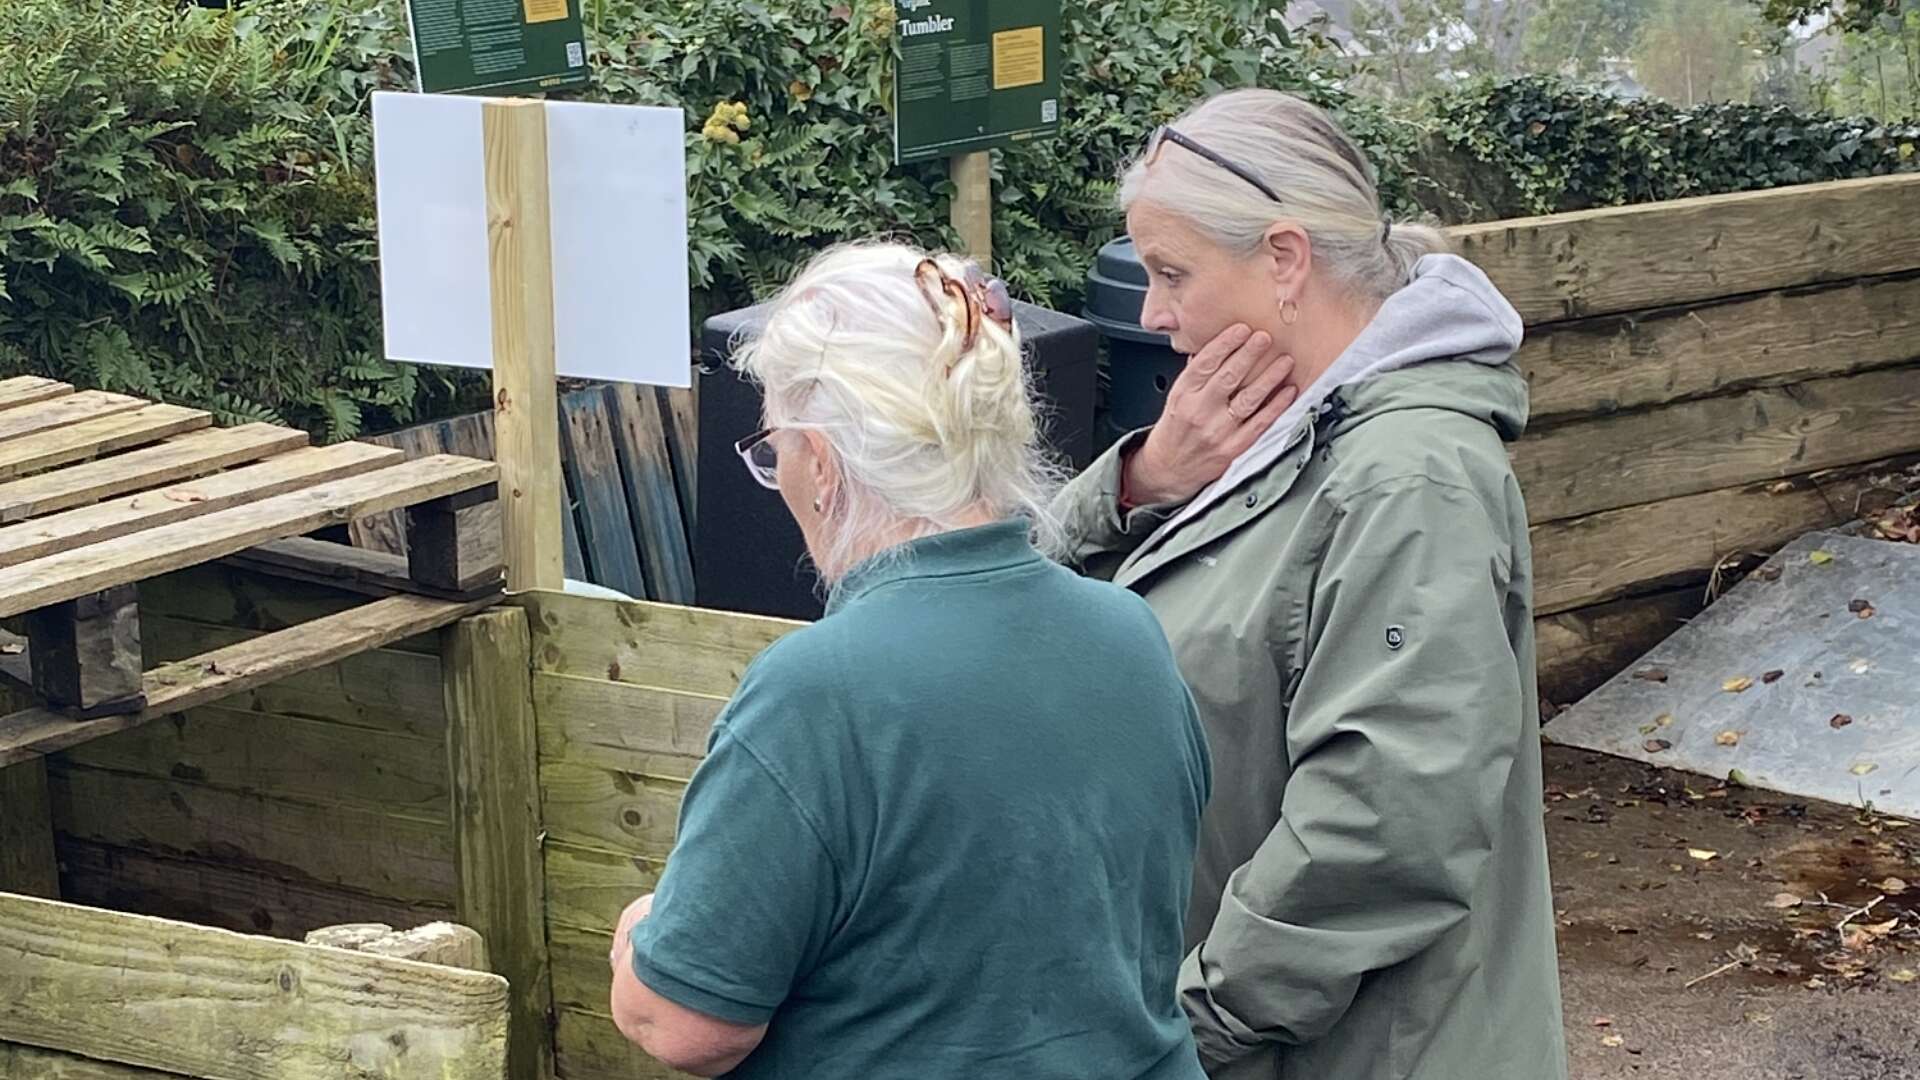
x: 1876, y: 69
x: 1695, y: 51
x: 1577, y: 37
x: 1412, y: 47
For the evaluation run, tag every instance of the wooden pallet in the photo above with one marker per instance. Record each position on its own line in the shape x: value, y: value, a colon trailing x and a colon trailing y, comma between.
x: 100, y: 491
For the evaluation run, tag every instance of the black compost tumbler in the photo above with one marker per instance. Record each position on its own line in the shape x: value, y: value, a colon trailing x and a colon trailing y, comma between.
x: 1140, y: 363
x: 747, y: 551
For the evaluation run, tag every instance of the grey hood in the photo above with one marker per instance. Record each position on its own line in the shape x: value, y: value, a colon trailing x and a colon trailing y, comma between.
x: 1449, y: 311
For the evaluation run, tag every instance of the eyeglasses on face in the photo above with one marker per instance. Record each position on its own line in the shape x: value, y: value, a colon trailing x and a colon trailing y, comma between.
x: 762, y: 459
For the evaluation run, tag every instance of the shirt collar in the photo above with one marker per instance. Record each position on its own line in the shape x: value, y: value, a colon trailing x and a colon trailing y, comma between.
x: 999, y: 546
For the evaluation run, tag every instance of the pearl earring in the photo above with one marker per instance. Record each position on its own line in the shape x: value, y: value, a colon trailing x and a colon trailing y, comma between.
x: 818, y: 506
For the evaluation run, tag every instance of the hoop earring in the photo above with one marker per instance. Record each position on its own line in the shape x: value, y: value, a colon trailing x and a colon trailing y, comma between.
x: 1289, y: 313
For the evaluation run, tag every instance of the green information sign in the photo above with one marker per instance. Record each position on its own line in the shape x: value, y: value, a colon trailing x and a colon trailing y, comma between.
x: 497, y: 46
x: 974, y: 74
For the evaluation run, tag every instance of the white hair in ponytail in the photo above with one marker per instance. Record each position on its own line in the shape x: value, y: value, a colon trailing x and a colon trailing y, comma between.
x: 1322, y: 178
x: 926, y: 432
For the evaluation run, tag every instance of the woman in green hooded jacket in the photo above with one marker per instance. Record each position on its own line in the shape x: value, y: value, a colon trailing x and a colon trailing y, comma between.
x: 1327, y: 525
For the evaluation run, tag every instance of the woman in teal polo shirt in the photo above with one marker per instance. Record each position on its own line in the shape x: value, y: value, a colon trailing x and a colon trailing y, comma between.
x: 948, y: 830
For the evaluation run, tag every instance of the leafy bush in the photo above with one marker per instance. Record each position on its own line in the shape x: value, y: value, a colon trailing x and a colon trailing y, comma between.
x: 1539, y: 145
x: 185, y: 207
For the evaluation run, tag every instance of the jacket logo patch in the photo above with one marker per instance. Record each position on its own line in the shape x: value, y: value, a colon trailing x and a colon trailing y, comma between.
x: 1396, y: 637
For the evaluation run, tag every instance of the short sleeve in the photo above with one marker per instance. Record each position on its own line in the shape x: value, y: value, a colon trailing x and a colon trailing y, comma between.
x: 748, y: 896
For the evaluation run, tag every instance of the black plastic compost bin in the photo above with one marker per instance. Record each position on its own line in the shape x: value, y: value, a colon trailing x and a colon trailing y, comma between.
x: 1141, y: 365
x: 747, y: 551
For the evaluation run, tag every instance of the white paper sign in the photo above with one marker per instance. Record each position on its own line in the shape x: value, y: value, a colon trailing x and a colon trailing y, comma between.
x: 616, y: 177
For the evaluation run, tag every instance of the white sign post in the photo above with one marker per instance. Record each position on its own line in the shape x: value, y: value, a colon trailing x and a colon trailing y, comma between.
x: 537, y: 240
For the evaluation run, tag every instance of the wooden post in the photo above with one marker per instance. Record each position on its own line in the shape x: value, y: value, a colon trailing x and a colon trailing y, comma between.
x: 501, y: 871
x: 85, y: 653
x: 526, y: 406
x: 27, y: 863
x: 973, y: 205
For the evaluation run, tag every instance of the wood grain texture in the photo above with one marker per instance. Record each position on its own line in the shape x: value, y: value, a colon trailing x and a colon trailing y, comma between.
x: 1598, y: 262
x: 588, y: 888
x: 408, y: 858
x: 150, y: 509
x: 628, y: 812
x: 62, y: 411
x: 28, y: 389
x: 208, y: 677
x: 1650, y: 358
x: 496, y: 813
x: 589, y: 1047
x: 593, y: 476
x: 658, y: 645
x: 578, y: 716
x: 646, y: 471
x: 526, y: 419
x: 33, y: 1063
x: 77, y: 572
x: 92, y: 438
x: 27, y: 862
x: 183, y: 458
x: 682, y: 410
x: 1579, y: 650
x: 972, y: 211
x: 214, y: 891
x: 1698, y: 446
x: 1585, y: 560
x: 469, y: 436
x: 211, y: 1003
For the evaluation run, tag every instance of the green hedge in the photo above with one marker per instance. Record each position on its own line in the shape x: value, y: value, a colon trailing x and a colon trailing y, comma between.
x: 186, y: 204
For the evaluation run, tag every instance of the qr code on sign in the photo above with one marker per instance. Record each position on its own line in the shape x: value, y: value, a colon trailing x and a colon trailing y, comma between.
x: 576, y: 54
x: 1049, y: 110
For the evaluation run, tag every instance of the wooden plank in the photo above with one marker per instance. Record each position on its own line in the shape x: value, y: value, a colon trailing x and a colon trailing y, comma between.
x: 399, y: 856
x: 453, y: 544
x: 446, y: 943
x: 526, y: 416
x: 92, y: 438
x: 468, y: 436
x: 344, y: 567
x: 27, y: 862
x: 29, y: 389
x: 184, y: 458
x: 1770, y: 434
x: 291, y: 471
x: 73, y: 573
x: 225, y: 594
x: 226, y: 1006
x: 86, y: 659
x: 653, y: 503
x: 611, y: 809
x: 213, y: 891
x: 588, y: 1047
x: 682, y: 409
x: 1579, y: 650
x: 573, y: 549
x: 593, y: 474
x: 1641, y: 359
x: 1582, y: 561
x: 658, y: 645
x: 209, y: 677
x: 577, y: 715
x: 971, y: 211
x: 280, y: 757
x: 1596, y: 262
x: 33, y: 1063
x: 62, y: 411
x: 381, y: 690
x: 587, y: 888
x: 493, y: 761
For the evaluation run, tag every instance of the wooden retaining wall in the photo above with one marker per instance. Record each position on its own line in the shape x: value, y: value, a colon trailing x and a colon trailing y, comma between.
x: 1710, y: 378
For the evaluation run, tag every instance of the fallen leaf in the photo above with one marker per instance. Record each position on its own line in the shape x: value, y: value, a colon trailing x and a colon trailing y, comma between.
x: 1854, y: 939
x: 1703, y: 854
x: 1704, y: 935
x: 1737, y: 685
x: 1861, y: 666
x: 1654, y: 746
x: 1820, y: 558
x: 1728, y: 738
x: 1753, y: 1017
x: 1861, y: 608
x: 1780, y: 487
x: 1664, y: 720
x: 1882, y: 929
x: 1648, y: 729
x: 1784, y: 901
x: 1904, y: 975
x: 1768, y: 573
x: 1839, y: 721
x: 1612, y: 1040
x: 1772, y: 677
x: 1737, y: 778
x: 181, y: 496
x: 1863, y: 768
x: 1893, y: 886
x: 1652, y: 674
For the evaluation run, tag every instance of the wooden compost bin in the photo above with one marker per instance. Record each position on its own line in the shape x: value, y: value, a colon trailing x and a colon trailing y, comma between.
x: 1710, y: 377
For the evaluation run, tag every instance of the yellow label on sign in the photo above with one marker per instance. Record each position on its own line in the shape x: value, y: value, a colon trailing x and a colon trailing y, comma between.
x: 539, y: 11
x: 1019, y: 57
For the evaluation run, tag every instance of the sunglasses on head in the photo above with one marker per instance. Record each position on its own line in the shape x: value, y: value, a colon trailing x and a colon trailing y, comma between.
x: 1166, y: 134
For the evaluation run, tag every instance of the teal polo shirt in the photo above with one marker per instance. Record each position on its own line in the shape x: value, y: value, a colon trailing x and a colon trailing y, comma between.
x: 945, y: 832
